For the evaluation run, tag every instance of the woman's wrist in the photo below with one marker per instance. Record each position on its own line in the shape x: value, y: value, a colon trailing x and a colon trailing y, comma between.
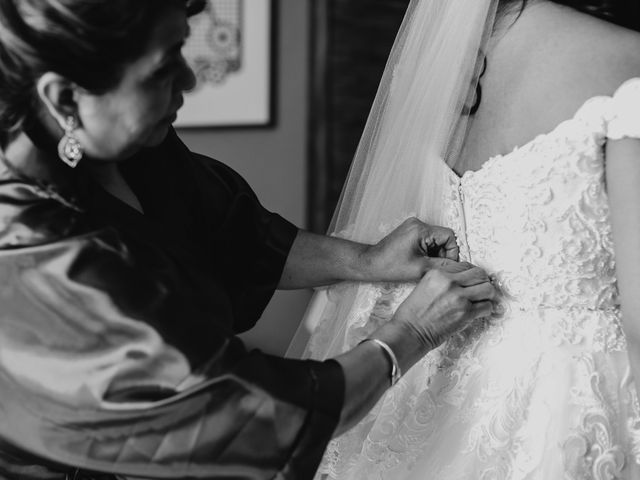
x: 405, y: 345
x: 363, y: 265
x: 395, y: 371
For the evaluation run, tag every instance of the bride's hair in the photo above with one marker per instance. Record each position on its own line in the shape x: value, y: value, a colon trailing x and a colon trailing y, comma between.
x: 611, y: 10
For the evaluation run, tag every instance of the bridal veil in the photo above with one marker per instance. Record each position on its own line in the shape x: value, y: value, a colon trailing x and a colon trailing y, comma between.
x: 417, y: 122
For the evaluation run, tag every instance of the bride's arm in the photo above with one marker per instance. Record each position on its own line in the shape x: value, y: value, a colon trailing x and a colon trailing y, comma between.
x: 623, y: 186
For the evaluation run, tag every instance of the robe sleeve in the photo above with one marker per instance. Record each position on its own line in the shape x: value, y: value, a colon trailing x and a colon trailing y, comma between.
x: 88, y: 382
x: 249, y: 243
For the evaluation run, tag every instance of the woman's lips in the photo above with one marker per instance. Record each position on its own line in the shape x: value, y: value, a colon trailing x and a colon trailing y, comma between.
x: 172, y: 118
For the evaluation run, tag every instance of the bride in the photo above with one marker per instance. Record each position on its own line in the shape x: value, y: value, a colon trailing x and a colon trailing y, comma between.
x: 517, y: 124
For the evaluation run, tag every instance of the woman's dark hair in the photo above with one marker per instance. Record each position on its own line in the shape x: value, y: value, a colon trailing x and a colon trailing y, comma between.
x: 87, y: 41
x: 622, y: 12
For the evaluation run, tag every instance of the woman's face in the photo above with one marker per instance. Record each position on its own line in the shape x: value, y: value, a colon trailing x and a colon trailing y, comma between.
x: 138, y: 112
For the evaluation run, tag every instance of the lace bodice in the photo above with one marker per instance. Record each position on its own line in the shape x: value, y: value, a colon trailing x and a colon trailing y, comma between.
x: 538, y: 220
x: 538, y: 217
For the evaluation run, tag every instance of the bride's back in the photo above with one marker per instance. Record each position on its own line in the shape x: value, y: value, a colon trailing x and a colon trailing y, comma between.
x: 540, y: 71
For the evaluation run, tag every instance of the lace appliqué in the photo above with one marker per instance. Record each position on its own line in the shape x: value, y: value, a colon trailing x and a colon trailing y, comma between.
x: 591, y: 454
x: 596, y: 448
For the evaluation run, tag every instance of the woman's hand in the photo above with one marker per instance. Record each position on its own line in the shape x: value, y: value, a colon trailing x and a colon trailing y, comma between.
x: 442, y: 304
x: 411, y: 250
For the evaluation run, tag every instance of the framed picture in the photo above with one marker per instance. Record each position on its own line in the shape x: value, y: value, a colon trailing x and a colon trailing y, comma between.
x: 230, y: 52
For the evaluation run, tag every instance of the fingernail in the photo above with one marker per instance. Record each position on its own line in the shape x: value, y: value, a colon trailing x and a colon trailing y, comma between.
x: 498, y: 309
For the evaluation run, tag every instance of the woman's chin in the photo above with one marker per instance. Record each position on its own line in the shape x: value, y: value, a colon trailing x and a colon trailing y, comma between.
x: 158, y: 135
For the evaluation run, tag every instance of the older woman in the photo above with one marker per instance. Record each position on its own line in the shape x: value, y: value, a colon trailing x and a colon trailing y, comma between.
x: 128, y: 263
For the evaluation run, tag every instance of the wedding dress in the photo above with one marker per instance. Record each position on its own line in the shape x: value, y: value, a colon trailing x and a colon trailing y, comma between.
x: 542, y: 389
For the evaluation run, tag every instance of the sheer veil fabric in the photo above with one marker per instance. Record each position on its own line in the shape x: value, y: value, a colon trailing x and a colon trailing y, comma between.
x: 416, y: 126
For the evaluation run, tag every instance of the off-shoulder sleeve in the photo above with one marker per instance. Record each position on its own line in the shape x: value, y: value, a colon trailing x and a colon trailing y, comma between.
x: 624, y: 114
x: 87, y: 381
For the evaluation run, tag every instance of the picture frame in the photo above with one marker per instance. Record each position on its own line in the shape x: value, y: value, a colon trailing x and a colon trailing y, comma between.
x: 230, y: 50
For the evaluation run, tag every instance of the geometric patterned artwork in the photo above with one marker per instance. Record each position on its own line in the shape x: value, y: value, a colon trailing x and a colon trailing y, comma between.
x: 229, y: 50
x: 215, y: 47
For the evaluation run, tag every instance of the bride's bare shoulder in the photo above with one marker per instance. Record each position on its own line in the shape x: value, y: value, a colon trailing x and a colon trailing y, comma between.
x: 556, y: 58
x: 594, y: 55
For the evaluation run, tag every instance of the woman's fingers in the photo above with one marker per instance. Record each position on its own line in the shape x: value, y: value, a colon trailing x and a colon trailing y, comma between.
x: 480, y: 292
x: 482, y: 309
x: 447, y: 265
x: 439, y: 242
x: 448, y: 245
x: 471, y: 276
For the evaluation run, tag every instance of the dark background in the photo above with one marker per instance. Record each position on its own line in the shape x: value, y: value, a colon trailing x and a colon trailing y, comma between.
x: 351, y: 40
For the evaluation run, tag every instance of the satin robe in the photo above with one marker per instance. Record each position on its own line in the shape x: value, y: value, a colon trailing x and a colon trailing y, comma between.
x: 117, y: 347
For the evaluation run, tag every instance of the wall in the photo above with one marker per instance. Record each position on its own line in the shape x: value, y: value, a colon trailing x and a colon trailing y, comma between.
x: 273, y: 160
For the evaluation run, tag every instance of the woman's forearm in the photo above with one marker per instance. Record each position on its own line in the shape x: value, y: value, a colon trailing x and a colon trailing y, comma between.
x: 367, y: 371
x: 405, y: 254
x: 315, y: 260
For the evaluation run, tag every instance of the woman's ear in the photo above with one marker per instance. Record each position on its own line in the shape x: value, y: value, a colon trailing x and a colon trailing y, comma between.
x: 59, y: 96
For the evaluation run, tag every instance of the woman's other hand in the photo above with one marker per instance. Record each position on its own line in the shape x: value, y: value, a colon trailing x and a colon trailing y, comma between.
x: 442, y: 304
x: 411, y: 250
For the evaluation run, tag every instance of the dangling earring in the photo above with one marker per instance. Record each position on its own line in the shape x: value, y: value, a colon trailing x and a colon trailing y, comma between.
x: 70, y: 150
